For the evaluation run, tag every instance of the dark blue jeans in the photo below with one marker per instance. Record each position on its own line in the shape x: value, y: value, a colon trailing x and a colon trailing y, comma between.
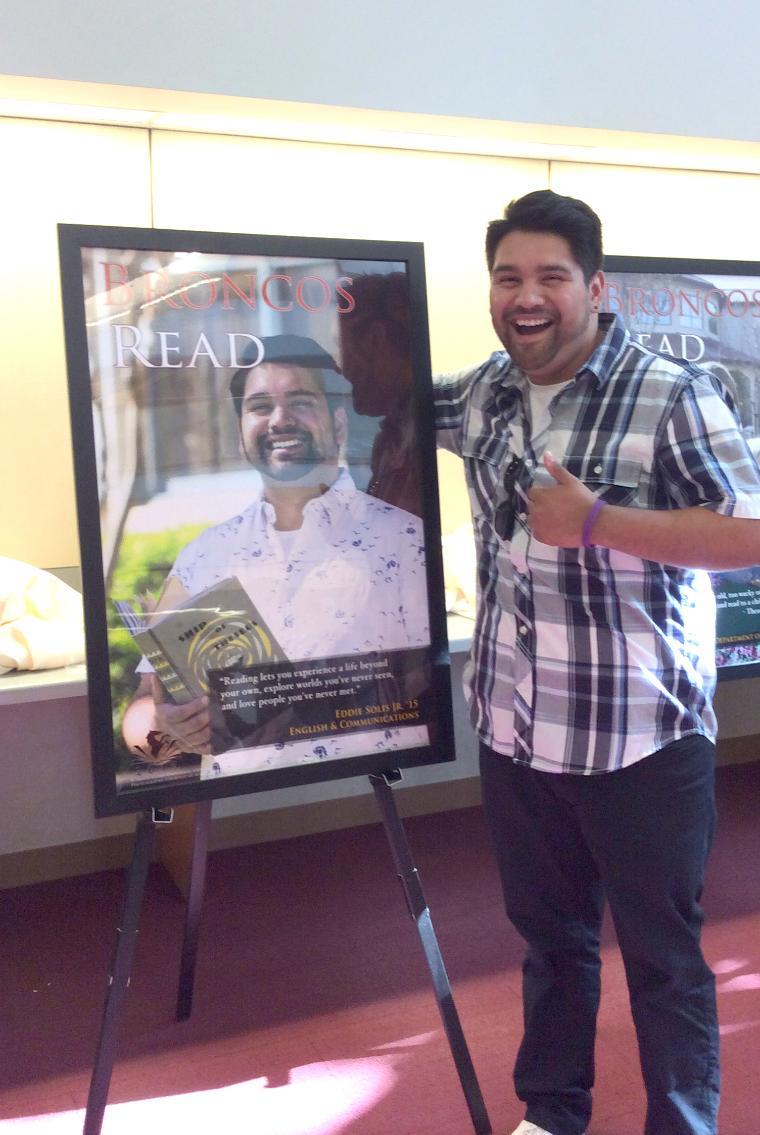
x: 640, y: 838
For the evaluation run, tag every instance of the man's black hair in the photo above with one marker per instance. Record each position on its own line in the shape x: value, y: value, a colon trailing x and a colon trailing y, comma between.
x: 544, y: 211
x: 297, y: 350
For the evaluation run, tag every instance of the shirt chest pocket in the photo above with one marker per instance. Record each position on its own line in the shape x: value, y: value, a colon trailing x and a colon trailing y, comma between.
x: 485, y: 460
x: 615, y: 480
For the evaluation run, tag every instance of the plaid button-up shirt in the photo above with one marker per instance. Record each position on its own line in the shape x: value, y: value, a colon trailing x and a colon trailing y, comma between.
x: 586, y: 660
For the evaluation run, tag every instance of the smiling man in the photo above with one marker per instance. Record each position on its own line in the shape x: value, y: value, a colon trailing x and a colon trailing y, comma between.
x: 287, y: 430
x: 604, y: 480
x: 543, y: 308
x: 332, y: 570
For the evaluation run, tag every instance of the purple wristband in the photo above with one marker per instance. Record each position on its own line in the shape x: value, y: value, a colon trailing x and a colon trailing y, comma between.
x: 589, y: 522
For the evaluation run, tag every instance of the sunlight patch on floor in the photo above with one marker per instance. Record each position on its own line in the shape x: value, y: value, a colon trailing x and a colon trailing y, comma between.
x: 320, y: 1099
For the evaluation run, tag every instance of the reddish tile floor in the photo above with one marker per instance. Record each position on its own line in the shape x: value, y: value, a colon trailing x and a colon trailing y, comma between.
x: 313, y: 1011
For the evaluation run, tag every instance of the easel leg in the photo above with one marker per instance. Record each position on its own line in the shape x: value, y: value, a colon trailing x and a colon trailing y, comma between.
x: 196, y: 887
x: 415, y: 900
x: 120, y: 975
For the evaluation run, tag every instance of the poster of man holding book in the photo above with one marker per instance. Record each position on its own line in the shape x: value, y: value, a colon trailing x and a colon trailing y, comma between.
x: 329, y: 570
x: 267, y: 599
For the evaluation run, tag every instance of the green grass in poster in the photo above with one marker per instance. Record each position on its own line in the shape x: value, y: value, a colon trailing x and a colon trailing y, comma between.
x: 143, y: 564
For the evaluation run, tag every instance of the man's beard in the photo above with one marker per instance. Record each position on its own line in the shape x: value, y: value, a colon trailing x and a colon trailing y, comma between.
x: 310, y: 458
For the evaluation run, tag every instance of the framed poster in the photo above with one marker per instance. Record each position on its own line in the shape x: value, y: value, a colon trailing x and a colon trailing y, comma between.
x: 257, y: 500
x: 707, y: 312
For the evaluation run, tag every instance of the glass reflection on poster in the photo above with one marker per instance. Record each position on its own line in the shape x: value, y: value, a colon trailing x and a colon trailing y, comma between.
x: 707, y: 312
x: 260, y: 548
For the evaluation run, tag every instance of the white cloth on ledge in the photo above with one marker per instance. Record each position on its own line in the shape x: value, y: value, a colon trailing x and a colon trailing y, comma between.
x: 459, y: 571
x: 41, y: 619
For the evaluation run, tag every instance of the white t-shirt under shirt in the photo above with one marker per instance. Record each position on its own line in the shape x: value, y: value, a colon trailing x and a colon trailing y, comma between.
x: 541, y: 396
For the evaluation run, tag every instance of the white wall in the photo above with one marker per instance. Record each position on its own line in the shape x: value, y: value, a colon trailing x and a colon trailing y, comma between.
x: 656, y: 66
x: 78, y: 175
x: 65, y: 172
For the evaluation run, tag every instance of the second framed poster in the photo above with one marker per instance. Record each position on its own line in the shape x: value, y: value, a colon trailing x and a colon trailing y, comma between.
x: 707, y: 312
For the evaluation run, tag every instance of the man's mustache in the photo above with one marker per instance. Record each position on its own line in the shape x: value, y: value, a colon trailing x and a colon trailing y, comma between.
x: 269, y: 441
x: 528, y: 313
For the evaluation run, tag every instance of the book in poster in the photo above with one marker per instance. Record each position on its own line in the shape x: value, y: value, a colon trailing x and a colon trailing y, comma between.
x: 707, y: 313
x: 266, y: 539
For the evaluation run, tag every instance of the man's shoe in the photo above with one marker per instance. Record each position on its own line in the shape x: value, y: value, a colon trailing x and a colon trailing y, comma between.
x: 527, y: 1128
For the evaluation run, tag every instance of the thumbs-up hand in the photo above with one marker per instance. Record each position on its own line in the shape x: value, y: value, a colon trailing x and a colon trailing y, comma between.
x: 556, y: 512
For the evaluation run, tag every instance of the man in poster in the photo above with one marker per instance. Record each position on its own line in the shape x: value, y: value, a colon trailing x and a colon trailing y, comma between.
x: 333, y: 571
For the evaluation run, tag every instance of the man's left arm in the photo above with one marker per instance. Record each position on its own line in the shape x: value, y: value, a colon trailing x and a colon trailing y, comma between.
x: 693, y: 537
x: 715, y: 521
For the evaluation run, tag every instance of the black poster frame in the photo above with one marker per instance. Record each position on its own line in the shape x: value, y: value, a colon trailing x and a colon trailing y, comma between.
x: 708, y: 312
x: 79, y: 245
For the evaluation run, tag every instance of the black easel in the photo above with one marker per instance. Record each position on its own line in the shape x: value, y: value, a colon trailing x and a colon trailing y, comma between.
x: 121, y: 967
x: 418, y: 909
x: 196, y: 887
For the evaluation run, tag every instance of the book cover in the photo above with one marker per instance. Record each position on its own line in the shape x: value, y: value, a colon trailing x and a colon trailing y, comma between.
x: 218, y: 629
